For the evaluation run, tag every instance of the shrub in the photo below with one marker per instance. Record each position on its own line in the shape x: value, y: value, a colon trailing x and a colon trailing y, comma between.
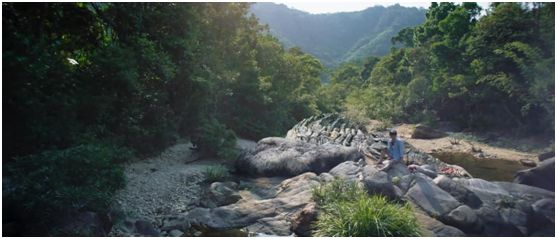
x: 216, y: 139
x: 336, y: 191
x: 383, y: 103
x: 347, y: 210
x: 54, y: 182
x: 215, y: 173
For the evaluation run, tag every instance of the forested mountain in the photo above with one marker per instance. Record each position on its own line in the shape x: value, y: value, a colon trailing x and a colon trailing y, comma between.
x: 338, y: 37
x: 492, y: 72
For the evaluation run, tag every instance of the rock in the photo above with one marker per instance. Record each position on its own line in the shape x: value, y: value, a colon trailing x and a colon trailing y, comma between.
x: 424, y: 132
x: 544, y: 232
x: 459, y: 192
x: 487, y: 192
x: 326, y: 177
x: 464, y: 218
x: 224, y: 193
x: 491, y: 219
x: 146, y: 228
x: 431, y: 198
x: 528, y: 193
x: 527, y: 162
x: 497, y: 224
x: 175, y: 233
x: 347, y: 170
x: 431, y: 227
x: 377, y: 182
x: 405, y: 182
x: 178, y: 222
x: 270, y: 216
x: 546, y: 155
x: 84, y: 224
x: 397, y: 170
x: 244, y: 144
x: 302, y: 221
x: 544, y: 211
x: 427, y: 170
x: 448, y: 231
x: 279, y: 156
x: 277, y: 225
x: 542, y: 176
x: 517, y: 218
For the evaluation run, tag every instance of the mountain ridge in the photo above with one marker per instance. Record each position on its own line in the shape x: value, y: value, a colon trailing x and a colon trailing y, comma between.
x: 335, y: 38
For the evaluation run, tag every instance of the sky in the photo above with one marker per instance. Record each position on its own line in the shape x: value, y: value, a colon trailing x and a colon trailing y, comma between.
x: 332, y: 6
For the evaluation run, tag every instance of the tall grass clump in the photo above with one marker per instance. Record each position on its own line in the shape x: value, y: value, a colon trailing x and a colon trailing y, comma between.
x: 346, y: 210
x: 215, y: 173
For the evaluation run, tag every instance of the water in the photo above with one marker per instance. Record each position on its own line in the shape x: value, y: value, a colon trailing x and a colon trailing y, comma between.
x: 488, y: 169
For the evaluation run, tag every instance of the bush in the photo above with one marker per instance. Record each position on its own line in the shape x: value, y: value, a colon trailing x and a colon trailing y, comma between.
x: 216, y: 139
x: 347, y: 210
x: 215, y: 173
x: 336, y: 191
x: 55, y: 182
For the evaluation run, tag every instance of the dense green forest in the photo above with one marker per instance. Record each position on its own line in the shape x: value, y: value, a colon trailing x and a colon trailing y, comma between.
x: 338, y: 37
x: 483, y: 72
x: 88, y: 86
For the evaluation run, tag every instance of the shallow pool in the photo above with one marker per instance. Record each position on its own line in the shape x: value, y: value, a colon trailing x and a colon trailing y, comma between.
x: 488, y: 168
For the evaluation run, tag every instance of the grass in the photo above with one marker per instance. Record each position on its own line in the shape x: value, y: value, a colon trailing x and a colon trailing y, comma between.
x: 215, y: 173
x: 346, y: 210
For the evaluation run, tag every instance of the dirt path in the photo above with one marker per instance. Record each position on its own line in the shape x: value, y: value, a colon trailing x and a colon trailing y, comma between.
x: 478, y: 149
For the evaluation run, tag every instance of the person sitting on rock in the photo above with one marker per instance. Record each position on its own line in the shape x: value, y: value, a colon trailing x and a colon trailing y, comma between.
x: 394, y: 151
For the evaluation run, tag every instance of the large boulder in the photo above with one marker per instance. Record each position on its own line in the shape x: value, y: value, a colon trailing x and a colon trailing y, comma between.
x: 459, y: 192
x: 397, y: 170
x: 516, y: 218
x: 432, y: 227
x: 544, y: 210
x: 448, y: 231
x: 424, y: 132
x: 428, y: 170
x: 542, y: 176
x: 136, y: 227
x: 224, y: 193
x: 494, y: 224
x: 348, y: 171
x: 524, y: 192
x: 302, y: 224
x: 464, y: 218
x: 272, y: 216
x: 488, y: 192
x: 280, y: 156
x: 506, y: 207
x: 431, y: 198
x: 546, y: 155
x: 378, y: 182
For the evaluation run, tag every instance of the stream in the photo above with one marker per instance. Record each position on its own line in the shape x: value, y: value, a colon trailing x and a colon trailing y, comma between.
x: 489, y: 169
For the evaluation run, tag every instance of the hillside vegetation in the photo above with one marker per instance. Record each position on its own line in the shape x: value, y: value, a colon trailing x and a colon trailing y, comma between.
x: 493, y: 72
x: 100, y: 81
x: 338, y: 37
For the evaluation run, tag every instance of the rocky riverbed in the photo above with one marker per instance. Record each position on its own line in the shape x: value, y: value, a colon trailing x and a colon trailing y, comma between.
x: 271, y: 192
